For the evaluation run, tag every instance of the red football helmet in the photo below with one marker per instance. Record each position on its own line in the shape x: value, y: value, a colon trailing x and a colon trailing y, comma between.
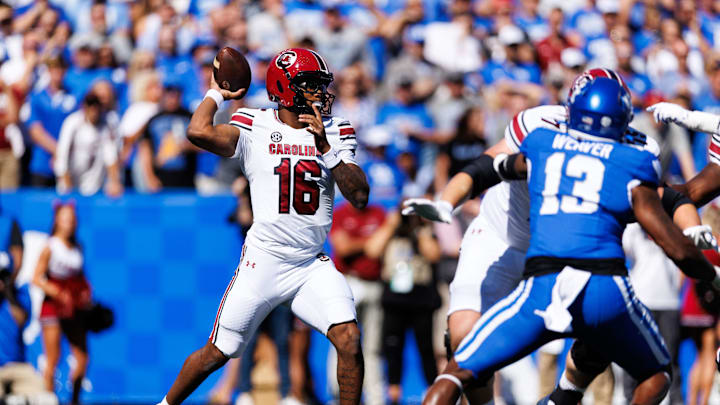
x: 592, y: 74
x: 296, y: 71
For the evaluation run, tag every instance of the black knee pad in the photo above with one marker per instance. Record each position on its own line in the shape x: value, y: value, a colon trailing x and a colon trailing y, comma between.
x: 587, y: 359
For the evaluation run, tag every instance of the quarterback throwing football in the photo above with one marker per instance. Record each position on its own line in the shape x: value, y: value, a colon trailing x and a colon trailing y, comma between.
x: 292, y: 158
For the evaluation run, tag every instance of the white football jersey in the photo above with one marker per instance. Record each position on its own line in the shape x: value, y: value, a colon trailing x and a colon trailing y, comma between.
x: 506, y: 206
x: 291, y: 189
x: 714, y: 149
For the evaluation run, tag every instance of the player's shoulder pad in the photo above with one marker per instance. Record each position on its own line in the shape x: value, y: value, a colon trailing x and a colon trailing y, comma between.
x: 243, y: 118
x: 634, y: 137
x: 538, y: 137
x: 641, y: 162
x: 339, y: 127
x: 714, y: 149
x: 526, y: 121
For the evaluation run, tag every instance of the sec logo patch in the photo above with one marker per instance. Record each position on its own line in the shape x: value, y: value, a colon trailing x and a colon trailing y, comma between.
x: 323, y: 257
x: 276, y: 137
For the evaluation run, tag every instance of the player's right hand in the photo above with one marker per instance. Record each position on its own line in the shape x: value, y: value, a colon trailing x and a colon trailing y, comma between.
x: 227, y: 94
x: 439, y: 211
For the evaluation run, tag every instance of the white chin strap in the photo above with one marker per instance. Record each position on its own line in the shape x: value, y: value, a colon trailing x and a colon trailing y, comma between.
x: 452, y: 378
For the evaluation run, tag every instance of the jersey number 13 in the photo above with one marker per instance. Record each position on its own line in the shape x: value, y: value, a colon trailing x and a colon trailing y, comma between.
x: 588, y: 171
x: 306, y: 194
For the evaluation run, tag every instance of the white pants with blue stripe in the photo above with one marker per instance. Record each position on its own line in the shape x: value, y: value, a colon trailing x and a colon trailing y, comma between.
x: 603, y: 311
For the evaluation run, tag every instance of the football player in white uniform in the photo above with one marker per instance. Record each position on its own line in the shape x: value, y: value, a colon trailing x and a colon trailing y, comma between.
x: 292, y: 158
x: 705, y: 186
x: 486, y: 274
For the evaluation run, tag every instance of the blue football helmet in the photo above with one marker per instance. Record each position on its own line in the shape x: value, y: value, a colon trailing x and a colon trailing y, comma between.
x: 601, y: 108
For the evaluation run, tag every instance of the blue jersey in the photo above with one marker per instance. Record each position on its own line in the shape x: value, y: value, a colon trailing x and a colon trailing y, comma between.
x: 580, y: 197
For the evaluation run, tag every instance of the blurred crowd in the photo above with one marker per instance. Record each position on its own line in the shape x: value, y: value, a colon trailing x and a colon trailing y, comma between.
x: 95, y: 96
x: 96, y: 93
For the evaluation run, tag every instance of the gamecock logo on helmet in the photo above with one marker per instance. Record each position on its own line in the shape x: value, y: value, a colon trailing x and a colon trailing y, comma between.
x: 579, y: 83
x: 286, y: 59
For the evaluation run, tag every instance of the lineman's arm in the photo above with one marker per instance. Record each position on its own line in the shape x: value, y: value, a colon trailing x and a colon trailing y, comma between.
x: 704, y: 187
x: 460, y: 187
x: 692, y: 120
x: 651, y: 215
x: 684, y: 214
x: 457, y: 191
x: 219, y: 139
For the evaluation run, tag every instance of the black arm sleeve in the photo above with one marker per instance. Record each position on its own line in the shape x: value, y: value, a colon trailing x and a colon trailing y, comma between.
x: 483, y: 174
x: 16, y: 235
x: 507, y: 170
x: 672, y: 200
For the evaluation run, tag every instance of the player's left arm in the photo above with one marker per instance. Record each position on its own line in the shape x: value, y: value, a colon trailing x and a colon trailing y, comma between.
x: 349, y: 177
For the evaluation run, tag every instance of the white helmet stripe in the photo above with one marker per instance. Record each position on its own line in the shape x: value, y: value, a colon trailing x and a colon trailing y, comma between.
x: 321, y: 61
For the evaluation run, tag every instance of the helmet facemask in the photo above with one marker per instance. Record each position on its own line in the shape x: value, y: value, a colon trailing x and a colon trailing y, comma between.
x: 316, y: 84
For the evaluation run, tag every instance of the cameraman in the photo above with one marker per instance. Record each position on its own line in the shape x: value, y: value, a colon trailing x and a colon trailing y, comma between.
x: 17, y: 377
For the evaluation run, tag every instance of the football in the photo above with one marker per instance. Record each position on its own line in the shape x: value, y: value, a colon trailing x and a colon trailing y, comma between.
x: 231, y: 70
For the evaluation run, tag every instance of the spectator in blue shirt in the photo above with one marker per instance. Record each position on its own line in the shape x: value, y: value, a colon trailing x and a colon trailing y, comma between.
x: 385, y: 178
x: 170, y: 63
x: 167, y: 158
x: 638, y: 83
x: 646, y: 36
x: 588, y: 22
x: 408, y: 120
x: 48, y: 109
x: 530, y: 21
x: 83, y: 72
x: 518, y: 65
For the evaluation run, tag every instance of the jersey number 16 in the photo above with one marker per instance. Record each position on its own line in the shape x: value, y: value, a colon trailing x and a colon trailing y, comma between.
x: 306, y: 195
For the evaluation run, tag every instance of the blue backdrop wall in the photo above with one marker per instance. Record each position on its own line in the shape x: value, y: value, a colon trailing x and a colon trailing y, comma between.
x: 162, y: 263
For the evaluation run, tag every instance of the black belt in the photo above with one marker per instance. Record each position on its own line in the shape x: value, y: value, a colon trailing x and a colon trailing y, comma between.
x: 540, y: 265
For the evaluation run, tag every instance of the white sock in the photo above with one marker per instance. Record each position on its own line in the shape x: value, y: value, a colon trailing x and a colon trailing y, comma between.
x: 566, y: 385
x: 164, y: 401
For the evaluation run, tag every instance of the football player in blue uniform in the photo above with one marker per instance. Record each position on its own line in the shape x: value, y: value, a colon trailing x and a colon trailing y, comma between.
x: 585, y: 186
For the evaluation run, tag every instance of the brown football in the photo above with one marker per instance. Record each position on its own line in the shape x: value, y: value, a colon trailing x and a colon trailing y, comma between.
x: 231, y: 70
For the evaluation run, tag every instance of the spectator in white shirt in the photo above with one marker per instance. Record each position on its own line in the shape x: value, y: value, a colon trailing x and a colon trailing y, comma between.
x: 451, y: 45
x: 87, y: 153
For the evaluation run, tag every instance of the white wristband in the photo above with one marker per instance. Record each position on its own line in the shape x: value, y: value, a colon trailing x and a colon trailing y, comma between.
x: 331, y: 158
x: 450, y: 378
x: 215, y: 96
x: 499, y: 159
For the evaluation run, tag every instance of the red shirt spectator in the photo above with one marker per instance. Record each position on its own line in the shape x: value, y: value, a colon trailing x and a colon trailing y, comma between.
x: 550, y: 48
x: 693, y: 314
x: 351, y: 228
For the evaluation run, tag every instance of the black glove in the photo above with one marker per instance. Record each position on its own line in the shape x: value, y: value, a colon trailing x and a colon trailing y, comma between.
x: 708, y: 296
